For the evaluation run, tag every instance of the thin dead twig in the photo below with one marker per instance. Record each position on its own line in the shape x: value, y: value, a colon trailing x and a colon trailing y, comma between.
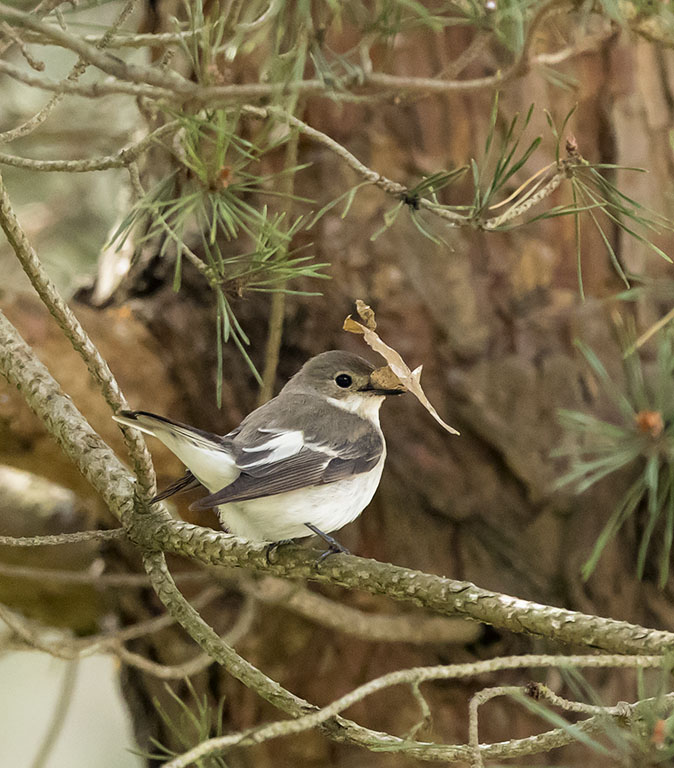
x: 62, y: 538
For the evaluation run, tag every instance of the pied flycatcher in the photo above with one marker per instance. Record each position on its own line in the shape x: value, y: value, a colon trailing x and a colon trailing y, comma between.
x: 306, y: 462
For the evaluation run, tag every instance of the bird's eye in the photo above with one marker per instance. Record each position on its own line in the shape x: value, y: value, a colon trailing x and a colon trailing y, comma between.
x: 343, y: 380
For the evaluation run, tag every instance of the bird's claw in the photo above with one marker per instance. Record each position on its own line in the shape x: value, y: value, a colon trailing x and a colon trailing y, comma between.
x: 334, y: 548
x: 271, y: 549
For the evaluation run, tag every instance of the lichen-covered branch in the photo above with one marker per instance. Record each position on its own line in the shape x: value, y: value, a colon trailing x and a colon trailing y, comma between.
x: 159, y: 531
x: 435, y: 593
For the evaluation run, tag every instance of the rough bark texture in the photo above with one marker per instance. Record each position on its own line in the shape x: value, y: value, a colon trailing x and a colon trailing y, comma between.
x: 492, y: 318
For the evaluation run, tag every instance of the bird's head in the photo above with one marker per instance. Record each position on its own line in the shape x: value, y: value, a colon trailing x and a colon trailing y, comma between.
x: 346, y: 378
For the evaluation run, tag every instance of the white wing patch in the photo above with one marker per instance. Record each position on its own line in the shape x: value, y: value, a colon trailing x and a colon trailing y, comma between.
x: 283, y: 445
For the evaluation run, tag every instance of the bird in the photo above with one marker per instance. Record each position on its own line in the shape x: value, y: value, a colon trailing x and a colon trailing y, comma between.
x: 305, y: 463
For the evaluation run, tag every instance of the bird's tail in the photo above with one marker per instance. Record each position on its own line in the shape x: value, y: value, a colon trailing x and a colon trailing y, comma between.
x: 204, y: 453
x: 142, y: 420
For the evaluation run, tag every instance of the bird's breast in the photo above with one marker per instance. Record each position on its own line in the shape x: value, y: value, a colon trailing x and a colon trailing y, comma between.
x: 284, y: 515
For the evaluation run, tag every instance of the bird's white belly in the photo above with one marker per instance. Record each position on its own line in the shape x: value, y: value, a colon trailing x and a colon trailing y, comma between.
x: 284, y: 515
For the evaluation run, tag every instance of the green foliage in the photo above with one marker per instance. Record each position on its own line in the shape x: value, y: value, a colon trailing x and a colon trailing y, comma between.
x: 490, y: 176
x: 504, y: 157
x: 212, y: 198
x: 196, y: 721
x: 641, y: 443
x: 599, y: 195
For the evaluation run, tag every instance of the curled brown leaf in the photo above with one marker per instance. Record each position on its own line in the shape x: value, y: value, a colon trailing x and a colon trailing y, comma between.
x: 410, y: 380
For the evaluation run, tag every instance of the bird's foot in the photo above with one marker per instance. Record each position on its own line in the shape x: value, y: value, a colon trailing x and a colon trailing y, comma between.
x: 334, y: 547
x: 272, y: 548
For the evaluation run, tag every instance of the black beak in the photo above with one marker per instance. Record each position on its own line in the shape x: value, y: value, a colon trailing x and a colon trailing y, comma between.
x: 377, y: 391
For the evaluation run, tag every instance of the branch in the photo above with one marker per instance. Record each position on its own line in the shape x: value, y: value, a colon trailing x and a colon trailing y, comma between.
x: 61, y: 644
x: 400, y: 191
x: 126, y: 39
x: 151, y: 531
x: 438, y: 594
x: 197, y: 664
x: 91, y: 576
x: 82, y: 344
x: 481, y: 697
x: 120, y: 159
x: 95, y: 460
x: 61, y: 538
x: 111, y: 65
x: 435, y: 593
x: 154, y: 530
x: 422, y: 674
x: 89, y: 90
x: 78, y: 69
x: 337, y: 728
x: 374, y: 627
x: 42, y: 9
x: 158, y: 83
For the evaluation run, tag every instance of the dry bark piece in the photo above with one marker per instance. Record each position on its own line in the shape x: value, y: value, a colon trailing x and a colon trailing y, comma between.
x: 410, y: 380
x: 384, y: 378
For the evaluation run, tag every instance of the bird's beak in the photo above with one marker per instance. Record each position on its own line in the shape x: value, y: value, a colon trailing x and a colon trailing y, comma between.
x: 384, y: 382
x: 380, y: 391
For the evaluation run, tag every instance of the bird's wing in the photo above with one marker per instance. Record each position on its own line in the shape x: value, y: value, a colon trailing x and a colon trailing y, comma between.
x: 186, y: 483
x: 277, y: 461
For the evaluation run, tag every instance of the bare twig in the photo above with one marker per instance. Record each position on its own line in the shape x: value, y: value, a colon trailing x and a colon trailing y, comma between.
x: 481, y: 697
x: 91, y: 576
x: 58, y: 717
x: 120, y: 159
x: 540, y: 691
x: 62, y: 538
x: 411, y: 628
x: 197, y: 664
x: 88, y: 90
x: 34, y: 63
x: 126, y: 39
x: 78, y: 69
x: 62, y: 645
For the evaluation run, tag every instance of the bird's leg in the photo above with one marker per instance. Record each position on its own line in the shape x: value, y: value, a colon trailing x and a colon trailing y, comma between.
x: 270, y: 551
x: 333, y: 545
